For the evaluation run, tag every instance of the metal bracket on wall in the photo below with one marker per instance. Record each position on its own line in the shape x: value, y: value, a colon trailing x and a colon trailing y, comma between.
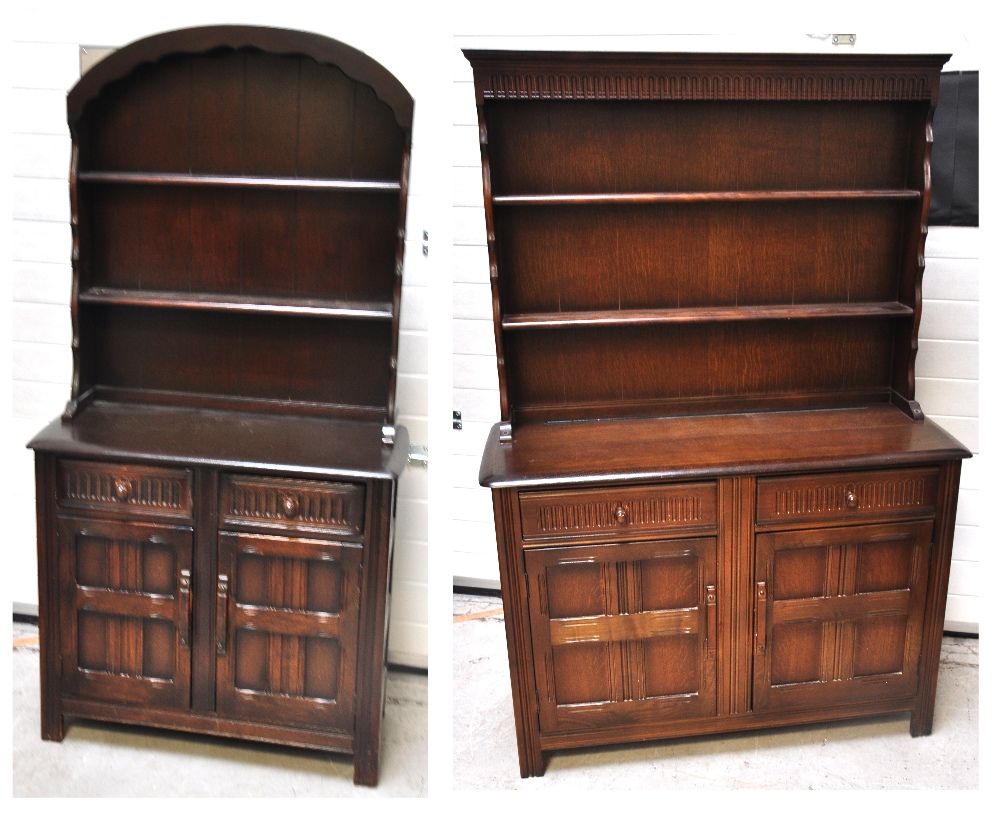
x: 417, y: 455
x: 843, y: 39
x: 456, y: 420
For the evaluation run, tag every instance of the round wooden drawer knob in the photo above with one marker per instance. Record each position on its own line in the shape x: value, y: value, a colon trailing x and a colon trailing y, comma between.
x: 290, y: 506
x: 851, y: 499
x: 123, y: 490
x: 621, y: 515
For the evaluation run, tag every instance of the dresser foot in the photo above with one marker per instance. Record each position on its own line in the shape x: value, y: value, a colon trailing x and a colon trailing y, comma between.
x: 921, y: 724
x: 53, y: 726
x: 365, y: 770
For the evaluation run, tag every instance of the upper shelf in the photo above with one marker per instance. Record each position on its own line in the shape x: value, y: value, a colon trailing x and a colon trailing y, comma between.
x: 644, y: 317
x: 702, y: 196
x: 210, y: 180
x: 252, y: 304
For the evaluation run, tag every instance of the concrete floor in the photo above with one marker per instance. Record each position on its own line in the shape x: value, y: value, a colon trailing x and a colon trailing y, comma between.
x: 874, y: 753
x: 105, y: 760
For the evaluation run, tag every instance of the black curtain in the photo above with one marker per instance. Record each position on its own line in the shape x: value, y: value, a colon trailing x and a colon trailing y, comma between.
x: 955, y: 157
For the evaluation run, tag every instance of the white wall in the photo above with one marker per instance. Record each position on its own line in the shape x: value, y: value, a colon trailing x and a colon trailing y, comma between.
x: 44, y: 65
x: 947, y: 362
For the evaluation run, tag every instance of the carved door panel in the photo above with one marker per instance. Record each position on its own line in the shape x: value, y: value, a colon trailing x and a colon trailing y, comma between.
x: 286, y: 630
x: 623, y: 633
x: 126, y: 611
x: 838, y: 614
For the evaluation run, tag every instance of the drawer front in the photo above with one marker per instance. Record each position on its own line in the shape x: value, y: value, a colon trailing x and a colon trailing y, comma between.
x: 135, y: 489
x: 293, y: 505
x: 842, y: 497
x: 627, y: 512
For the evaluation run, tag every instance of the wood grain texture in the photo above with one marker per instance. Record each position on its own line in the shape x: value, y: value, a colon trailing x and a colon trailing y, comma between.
x: 303, y: 445
x: 700, y: 147
x: 562, y: 76
x: 705, y: 273
x: 247, y: 174
x: 209, y: 38
x: 691, y: 447
x: 216, y: 505
x: 655, y: 370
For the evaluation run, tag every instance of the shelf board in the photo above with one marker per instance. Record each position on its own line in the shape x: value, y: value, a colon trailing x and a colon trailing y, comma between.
x: 704, y: 314
x: 702, y: 196
x: 221, y: 436
x: 208, y: 180
x: 254, y: 304
x: 702, y: 446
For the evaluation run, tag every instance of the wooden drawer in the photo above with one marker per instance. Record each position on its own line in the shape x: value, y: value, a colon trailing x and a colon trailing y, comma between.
x: 115, y: 488
x: 629, y: 511
x: 841, y: 497
x: 292, y: 505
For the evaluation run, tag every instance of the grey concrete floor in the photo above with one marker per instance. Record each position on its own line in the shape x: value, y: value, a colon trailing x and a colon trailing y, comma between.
x: 874, y: 753
x: 106, y: 760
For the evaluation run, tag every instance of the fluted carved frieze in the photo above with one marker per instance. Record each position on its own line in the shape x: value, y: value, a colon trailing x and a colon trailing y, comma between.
x: 700, y: 85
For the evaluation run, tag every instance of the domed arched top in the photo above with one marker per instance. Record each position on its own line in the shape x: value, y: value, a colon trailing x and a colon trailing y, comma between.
x: 355, y: 64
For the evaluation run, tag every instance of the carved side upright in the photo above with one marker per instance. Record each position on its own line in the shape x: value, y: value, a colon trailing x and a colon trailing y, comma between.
x: 48, y: 600
x: 922, y: 716
x: 73, y: 406
x: 735, y: 547
x: 912, y: 272
x: 519, y: 651
x: 505, y: 418
x: 388, y: 427
x: 373, y: 629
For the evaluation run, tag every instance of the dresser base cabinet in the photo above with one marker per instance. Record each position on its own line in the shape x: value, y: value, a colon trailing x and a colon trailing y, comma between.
x: 187, y: 594
x: 642, y: 607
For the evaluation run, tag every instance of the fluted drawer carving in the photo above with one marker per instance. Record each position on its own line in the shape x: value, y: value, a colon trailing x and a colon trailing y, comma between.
x: 836, y: 496
x: 293, y: 504
x: 136, y: 488
x: 603, y: 512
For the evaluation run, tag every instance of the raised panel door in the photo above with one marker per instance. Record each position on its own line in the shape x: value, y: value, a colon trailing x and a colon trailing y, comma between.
x: 286, y: 630
x: 623, y: 633
x: 126, y: 611
x: 838, y: 614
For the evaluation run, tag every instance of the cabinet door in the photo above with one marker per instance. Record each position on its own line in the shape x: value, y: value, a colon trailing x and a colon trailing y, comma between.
x: 623, y: 633
x: 286, y: 630
x: 838, y: 614
x: 126, y: 611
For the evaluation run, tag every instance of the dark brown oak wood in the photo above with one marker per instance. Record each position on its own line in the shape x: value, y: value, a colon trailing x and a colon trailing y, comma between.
x: 321, y: 49
x: 304, y: 307
x: 582, y: 453
x: 642, y: 317
x: 653, y: 198
x: 718, y: 506
x: 215, y: 508
x: 223, y: 439
x: 236, y: 181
